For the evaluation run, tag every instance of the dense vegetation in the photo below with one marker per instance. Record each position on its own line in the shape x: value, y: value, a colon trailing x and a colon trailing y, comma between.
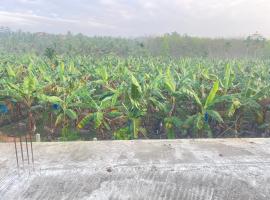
x: 173, y: 45
x: 141, y: 96
x: 138, y: 97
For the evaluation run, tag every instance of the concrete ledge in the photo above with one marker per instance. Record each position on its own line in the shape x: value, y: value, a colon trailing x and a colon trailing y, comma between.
x: 207, y: 169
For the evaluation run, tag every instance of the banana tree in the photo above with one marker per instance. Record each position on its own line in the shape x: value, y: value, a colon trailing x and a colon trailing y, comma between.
x: 200, y: 120
x: 133, y: 108
x: 102, y: 104
x: 66, y: 106
x: 246, y: 106
x: 174, y: 88
x: 101, y: 111
x: 171, y: 88
x: 136, y: 108
x: 229, y: 77
x: 28, y: 93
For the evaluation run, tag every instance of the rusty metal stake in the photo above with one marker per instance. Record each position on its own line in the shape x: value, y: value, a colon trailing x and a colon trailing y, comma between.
x: 26, y: 144
x: 22, y: 151
x: 16, y: 152
x: 33, y: 161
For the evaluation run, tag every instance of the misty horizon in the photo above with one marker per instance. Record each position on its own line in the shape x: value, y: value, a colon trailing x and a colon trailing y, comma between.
x: 122, y: 18
x: 134, y: 37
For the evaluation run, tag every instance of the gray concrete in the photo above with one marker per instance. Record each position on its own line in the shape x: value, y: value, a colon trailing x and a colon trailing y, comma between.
x: 226, y: 169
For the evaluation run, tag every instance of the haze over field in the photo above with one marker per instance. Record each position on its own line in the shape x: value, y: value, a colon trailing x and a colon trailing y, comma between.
x: 211, y: 18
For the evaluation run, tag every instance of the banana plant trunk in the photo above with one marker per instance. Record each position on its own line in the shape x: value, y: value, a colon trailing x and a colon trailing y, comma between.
x: 31, y: 123
x: 135, y: 127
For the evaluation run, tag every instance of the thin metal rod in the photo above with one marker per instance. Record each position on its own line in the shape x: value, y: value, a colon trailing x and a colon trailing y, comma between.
x: 33, y: 161
x: 16, y: 152
x: 26, y: 144
x: 22, y: 151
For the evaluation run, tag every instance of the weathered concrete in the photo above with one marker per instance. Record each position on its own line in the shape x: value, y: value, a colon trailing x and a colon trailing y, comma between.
x: 227, y: 169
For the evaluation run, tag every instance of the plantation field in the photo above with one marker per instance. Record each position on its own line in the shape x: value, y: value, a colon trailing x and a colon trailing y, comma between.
x: 110, y: 97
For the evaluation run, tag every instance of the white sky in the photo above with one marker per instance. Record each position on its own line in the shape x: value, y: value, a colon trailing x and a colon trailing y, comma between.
x: 211, y: 18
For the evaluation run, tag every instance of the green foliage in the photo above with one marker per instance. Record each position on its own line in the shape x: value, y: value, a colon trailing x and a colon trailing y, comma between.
x: 122, y: 134
x: 128, y: 98
x: 136, y: 90
x: 172, y: 44
x: 211, y: 95
x: 169, y: 81
x: 69, y: 134
x: 50, y: 53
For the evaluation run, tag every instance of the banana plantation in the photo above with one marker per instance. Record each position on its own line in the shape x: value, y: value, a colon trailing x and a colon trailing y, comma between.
x: 82, y: 97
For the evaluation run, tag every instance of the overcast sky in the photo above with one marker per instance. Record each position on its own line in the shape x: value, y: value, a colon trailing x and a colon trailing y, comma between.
x: 211, y: 18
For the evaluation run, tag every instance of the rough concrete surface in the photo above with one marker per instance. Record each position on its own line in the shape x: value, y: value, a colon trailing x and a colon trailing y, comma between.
x: 225, y: 169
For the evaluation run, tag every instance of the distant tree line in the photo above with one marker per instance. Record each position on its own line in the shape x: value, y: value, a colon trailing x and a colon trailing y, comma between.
x: 173, y: 44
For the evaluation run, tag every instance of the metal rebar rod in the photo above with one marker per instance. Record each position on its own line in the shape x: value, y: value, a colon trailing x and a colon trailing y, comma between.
x: 26, y: 144
x: 22, y: 151
x: 16, y: 152
x: 32, y: 152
